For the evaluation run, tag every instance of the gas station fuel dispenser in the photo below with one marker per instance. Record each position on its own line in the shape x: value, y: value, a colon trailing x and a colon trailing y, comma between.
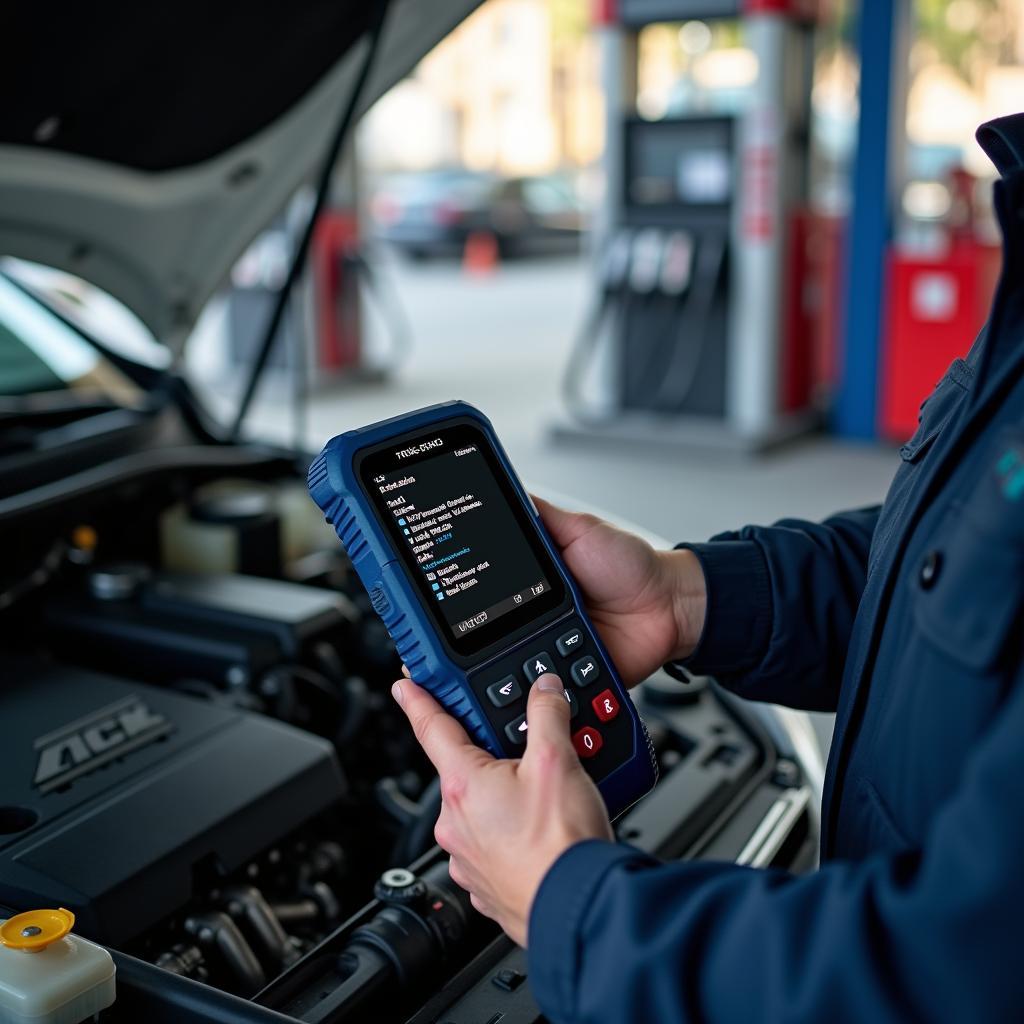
x: 697, y: 336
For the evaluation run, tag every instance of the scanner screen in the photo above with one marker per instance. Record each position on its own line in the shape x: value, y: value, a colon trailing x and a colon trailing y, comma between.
x: 462, y: 533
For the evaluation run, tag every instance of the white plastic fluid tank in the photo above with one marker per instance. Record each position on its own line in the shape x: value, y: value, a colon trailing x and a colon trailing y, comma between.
x: 48, y: 975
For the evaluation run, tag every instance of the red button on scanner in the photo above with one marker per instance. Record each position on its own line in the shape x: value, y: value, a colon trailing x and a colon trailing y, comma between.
x: 587, y: 741
x: 605, y: 705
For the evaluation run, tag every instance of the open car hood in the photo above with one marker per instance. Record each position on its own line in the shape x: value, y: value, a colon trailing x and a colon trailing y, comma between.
x: 143, y: 147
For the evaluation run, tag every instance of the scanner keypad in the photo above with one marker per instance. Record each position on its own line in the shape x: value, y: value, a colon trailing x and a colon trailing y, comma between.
x: 601, y: 735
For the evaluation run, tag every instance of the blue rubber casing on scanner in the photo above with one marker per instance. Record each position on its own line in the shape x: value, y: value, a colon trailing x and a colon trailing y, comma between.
x: 334, y: 486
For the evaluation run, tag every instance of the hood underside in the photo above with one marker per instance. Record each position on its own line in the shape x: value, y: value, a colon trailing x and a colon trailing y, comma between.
x: 143, y: 148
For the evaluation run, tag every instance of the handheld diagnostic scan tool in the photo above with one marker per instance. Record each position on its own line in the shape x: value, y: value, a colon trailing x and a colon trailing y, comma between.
x: 473, y: 592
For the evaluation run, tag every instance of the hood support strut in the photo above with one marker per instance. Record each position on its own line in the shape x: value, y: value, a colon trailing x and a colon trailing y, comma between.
x: 302, y: 249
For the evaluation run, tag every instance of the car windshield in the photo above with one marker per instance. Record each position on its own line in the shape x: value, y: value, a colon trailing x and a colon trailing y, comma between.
x: 41, y: 355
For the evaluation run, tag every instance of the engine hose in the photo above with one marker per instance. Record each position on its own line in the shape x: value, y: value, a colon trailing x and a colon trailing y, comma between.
x: 418, y: 836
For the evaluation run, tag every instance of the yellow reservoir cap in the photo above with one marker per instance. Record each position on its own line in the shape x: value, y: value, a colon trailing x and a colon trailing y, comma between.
x: 36, y: 929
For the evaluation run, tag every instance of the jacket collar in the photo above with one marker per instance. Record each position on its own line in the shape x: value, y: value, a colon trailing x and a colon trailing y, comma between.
x: 1003, y: 142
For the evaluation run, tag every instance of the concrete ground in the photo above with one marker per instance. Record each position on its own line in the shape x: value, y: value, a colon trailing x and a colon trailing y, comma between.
x: 502, y: 341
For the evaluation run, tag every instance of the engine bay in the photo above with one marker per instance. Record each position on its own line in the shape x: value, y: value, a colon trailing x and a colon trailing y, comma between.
x: 203, y: 762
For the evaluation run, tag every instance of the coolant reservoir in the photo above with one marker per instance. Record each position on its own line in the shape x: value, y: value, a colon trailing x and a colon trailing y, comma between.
x: 49, y: 976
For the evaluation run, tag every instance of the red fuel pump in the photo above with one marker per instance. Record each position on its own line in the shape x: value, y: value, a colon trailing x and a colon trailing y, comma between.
x: 935, y: 302
x: 336, y: 291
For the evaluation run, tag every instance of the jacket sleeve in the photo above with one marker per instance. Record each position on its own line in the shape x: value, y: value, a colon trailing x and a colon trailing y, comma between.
x: 781, y: 605
x: 929, y: 934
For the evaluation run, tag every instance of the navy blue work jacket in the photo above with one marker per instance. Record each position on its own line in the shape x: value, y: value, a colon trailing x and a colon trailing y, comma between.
x: 908, y: 621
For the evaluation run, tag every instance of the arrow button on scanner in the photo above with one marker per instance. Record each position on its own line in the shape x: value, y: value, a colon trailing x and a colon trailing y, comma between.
x: 504, y: 692
x: 516, y: 730
x: 537, y: 664
x: 585, y: 671
x: 569, y: 642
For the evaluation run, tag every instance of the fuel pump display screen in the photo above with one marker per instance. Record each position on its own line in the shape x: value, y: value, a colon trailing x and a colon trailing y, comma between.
x: 684, y: 162
x: 463, y: 534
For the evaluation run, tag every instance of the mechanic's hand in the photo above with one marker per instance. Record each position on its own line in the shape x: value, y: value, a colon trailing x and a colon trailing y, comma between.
x: 647, y: 605
x: 505, y: 822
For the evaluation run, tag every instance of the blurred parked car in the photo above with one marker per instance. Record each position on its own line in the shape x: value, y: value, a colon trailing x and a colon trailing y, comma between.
x: 432, y: 213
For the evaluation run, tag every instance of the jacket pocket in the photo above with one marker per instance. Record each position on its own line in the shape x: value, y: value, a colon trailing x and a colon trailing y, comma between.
x: 969, y: 592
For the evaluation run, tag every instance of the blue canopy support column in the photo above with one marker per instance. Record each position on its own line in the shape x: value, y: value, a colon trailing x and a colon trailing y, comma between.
x: 883, y: 41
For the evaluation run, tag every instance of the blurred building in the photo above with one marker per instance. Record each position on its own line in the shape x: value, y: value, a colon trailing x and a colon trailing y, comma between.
x: 515, y: 89
x: 967, y: 66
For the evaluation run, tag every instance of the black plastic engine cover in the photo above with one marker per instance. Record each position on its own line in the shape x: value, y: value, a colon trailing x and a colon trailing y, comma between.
x: 111, y: 793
